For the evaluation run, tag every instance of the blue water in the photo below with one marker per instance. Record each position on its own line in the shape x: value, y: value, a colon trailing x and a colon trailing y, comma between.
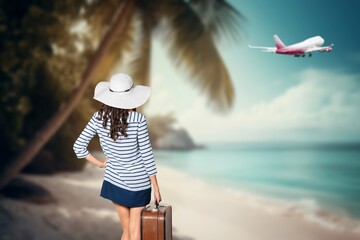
x: 326, y: 173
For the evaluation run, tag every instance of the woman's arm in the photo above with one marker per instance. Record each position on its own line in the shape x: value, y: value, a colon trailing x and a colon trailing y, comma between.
x: 157, y: 195
x: 82, y: 142
x: 145, y: 148
x: 95, y: 161
x: 148, y: 157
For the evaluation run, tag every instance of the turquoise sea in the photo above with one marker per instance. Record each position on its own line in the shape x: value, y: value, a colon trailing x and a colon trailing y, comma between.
x: 324, y: 174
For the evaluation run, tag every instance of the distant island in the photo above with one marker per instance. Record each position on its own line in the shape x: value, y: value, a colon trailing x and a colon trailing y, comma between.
x: 176, y: 139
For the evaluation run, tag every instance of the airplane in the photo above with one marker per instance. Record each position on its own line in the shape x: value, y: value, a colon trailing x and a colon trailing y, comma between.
x: 298, y: 49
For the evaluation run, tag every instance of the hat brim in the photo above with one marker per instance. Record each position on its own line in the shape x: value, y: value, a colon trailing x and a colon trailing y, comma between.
x: 134, y: 98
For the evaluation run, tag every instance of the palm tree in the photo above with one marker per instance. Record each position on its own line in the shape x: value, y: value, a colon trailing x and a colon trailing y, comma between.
x: 192, y: 26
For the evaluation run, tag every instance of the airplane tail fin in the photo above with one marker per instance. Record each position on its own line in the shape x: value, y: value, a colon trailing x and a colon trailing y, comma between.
x: 278, y: 42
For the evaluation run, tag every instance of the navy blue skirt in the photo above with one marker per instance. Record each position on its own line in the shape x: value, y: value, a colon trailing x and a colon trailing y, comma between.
x: 125, y: 197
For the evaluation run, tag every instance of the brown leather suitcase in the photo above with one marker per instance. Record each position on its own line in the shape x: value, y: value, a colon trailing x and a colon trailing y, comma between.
x: 156, y: 223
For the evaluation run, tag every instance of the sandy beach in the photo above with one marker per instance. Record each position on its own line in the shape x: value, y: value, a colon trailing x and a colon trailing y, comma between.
x: 200, y: 211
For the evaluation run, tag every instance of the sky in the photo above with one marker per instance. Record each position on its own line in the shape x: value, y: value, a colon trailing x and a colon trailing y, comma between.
x: 278, y: 97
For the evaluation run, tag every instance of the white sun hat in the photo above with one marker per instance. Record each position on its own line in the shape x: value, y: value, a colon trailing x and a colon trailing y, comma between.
x: 121, y: 92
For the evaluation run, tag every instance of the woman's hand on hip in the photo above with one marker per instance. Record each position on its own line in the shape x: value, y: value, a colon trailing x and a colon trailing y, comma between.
x: 96, y: 161
x: 103, y: 163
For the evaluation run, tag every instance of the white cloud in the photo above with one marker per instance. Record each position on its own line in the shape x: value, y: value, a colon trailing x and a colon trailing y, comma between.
x: 323, y: 105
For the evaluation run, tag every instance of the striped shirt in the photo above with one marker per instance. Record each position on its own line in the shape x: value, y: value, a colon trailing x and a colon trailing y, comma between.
x: 130, y: 159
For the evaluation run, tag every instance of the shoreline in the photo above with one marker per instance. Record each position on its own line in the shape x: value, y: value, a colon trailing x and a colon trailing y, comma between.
x: 200, y: 211
x: 306, y: 208
x: 308, y: 223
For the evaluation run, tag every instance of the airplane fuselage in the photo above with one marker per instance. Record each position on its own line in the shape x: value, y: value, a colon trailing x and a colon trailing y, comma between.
x: 308, y: 46
x: 301, y: 47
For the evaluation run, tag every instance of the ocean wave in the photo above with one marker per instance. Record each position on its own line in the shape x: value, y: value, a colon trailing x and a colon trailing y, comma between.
x: 307, y: 209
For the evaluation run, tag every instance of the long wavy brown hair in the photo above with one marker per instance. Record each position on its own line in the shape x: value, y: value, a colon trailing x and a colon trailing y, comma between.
x: 118, y: 120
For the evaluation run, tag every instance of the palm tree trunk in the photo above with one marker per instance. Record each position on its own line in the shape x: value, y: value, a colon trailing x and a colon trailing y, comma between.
x: 120, y: 21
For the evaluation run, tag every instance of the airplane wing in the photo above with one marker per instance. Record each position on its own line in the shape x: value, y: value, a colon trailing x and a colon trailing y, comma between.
x: 321, y: 49
x: 264, y: 49
x: 314, y: 49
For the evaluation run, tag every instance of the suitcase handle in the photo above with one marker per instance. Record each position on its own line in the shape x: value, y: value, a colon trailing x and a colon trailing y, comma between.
x: 156, y: 207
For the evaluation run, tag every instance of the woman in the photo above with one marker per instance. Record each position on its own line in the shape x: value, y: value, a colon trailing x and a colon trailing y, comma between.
x: 129, y: 165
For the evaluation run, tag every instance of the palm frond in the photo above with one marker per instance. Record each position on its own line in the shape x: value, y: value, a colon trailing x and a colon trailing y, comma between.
x: 219, y: 17
x: 140, y: 65
x: 192, y: 48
